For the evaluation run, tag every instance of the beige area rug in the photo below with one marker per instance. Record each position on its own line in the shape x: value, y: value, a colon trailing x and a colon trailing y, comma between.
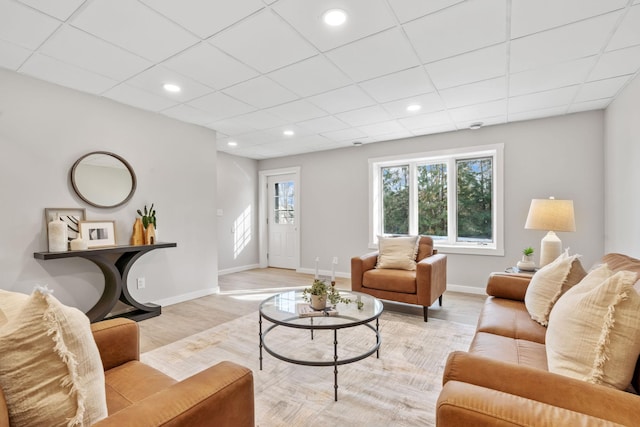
x: 398, y: 389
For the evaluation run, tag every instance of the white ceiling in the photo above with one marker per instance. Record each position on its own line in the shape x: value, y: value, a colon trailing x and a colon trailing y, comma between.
x: 250, y: 69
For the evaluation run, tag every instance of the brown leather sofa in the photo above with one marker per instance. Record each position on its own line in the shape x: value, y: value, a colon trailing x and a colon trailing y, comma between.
x: 422, y: 286
x: 503, y: 379
x: 139, y: 395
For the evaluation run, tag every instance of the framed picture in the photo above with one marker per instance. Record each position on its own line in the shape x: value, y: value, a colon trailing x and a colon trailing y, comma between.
x: 71, y: 216
x: 98, y: 234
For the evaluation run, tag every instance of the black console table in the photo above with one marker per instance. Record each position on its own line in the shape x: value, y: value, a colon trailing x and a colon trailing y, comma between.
x: 115, y: 263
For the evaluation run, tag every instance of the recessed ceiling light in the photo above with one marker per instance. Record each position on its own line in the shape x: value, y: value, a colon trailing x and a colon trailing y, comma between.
x: 288, y: 132
x: 334, y: 17
x: 170, y: 87
x: 414, y: 107
x: 357, y: 143
x: 476, y: 125
x: 232, y: 144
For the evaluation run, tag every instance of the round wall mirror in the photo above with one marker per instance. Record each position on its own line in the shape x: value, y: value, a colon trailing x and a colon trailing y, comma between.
x: 103, y: 179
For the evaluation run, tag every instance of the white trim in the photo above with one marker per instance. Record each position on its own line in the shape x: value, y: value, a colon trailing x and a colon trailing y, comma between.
x: 326, y: 273
x: 466, y: 289
x: 263, y: 238
x: 187, y: 297
x: 237, y: 269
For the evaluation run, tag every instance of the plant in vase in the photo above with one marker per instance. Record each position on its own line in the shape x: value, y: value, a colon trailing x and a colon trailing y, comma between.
x: 149, y: 224
x: 527, y: 263
x: 318, y: 294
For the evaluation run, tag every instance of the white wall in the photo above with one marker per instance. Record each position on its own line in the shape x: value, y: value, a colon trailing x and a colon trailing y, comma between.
x: 622, y: 172
x: 238, y: 202
x: 559, y: 157
x: 44, y: 129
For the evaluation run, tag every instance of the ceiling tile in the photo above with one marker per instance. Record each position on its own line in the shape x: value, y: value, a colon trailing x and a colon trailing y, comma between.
x: 573, y: 41
x: 297, y: 111
x: 429, y: 103
x: 486, y: 121
x: 188, y: 114
x: 231, y: 126
x: 12, y: 56
x: 542, y: 100
x: 260, y: 92
x: 550, y: 77
x: 24, y: 26
x: 461, y: 28
x: 261, y: 120
x: 434, y: 129
x: 374, y: 56
x: 407, y: 10
x: 221, y: 106
x: 205, y: 17
x: 264, y: 42
x: 617, y: 63
x: 398, y: 85
x: 365, y: 17
x: 600, y: 89
x: 428, y: 120
x: 311, y: 76
x: 134, y: 27
x: 479, y: 111
x: 344, y: 134
x: 599, y: 104
x: 532, y: 16
x: 383, y: 128
x: 471, y: 67
x: 628, y: 34
x: 139, y: 98
x: 323, y: 124
x: 537, y: 114
x: 52, y: 70
x: 60, y: 9
x: 364, y: 116
x: 93, y: 54
x: 154, y: 78
x: 208, y: 65
x: 344, y: 99
x: 475, y: 93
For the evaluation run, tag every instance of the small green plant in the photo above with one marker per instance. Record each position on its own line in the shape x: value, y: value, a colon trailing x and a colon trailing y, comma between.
x: 320, y: 288
x: 148, y: 216
x: 528, y: 251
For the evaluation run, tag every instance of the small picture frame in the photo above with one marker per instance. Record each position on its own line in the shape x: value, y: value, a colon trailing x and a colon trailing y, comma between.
x: 71, y: 216
x: 98, y: 234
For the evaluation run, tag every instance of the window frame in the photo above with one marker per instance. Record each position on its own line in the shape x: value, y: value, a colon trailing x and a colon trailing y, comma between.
x: 496, y: 151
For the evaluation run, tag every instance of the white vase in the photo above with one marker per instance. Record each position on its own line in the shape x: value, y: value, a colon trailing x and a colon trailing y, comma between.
x: 527, y: 263
x: 57, y: 231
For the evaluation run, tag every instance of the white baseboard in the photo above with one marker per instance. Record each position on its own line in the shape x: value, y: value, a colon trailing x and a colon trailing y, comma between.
x: 466, y: 289
x: 323, y: 272
x: 187, y: 297
x: 237, y: 269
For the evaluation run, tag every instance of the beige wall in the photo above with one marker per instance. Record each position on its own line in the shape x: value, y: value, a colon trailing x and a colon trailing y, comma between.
x: 44, y: 128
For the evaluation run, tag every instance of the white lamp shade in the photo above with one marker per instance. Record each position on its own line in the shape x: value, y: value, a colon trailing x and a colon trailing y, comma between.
x: 551, y: 215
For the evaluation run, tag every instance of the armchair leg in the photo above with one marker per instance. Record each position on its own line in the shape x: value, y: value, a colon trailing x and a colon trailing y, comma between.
x: 440, y: 300
x: 425, y: 312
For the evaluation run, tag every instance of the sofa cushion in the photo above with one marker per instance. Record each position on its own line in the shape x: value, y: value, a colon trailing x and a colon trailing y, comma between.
x: 549, y: 283
x: 397, y: 252
x: 390, y: 280
x: 510, y: 350
x: 50, y: 368
x: 594, y: 329
x: 511, y: 319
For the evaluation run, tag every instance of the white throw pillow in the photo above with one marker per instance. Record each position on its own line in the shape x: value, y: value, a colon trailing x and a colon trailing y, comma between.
x: 397, y: 252
x: 549, y: 283
x: 50, y: 367
x: 594, y: 329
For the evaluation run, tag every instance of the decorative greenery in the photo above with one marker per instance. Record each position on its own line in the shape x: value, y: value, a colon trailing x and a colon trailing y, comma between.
x: 320, y: 288
x: 528, y: 251
x: 148, y: 217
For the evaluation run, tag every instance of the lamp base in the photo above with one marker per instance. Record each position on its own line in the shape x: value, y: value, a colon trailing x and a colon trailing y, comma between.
x: 550, y: 248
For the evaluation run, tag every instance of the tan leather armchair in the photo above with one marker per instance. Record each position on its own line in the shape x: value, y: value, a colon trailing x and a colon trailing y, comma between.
x: 422, y: 286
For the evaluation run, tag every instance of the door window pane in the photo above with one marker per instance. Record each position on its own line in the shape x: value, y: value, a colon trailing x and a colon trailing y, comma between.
x: 284, y: 209
x: 432, y: 200
x: 395, y: 199
x: 475, y: 198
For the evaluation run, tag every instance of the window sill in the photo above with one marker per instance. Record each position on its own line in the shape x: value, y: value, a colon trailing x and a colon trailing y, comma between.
x: 469, y: 250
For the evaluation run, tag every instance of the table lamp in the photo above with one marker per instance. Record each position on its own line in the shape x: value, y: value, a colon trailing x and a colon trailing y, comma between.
x: 552, y: 215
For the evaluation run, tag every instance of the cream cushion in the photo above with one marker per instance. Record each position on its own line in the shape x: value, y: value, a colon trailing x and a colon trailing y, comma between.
x: 549, y: 283
x: 594, y: 329
x: 50, y: 368
x: 397, y: 252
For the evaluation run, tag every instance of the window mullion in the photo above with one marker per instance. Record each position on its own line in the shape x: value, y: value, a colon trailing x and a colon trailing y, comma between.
x: 452, y: 202
x: 413, y: 199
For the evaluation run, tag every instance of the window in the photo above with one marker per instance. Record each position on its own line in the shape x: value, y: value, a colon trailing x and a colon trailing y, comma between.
x: 454, y: 196
x: 283, y: 204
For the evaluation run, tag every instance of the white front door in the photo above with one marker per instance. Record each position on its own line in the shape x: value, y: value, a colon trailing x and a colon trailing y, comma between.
x: 282, y: 221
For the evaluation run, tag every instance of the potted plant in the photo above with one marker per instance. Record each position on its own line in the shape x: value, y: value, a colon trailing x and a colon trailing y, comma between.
x: 318, y: 294
x: 527, y: 263
x: 148, y: 217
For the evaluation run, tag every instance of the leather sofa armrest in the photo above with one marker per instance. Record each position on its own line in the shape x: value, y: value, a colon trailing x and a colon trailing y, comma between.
x: 221, y: 395
x: 118, y: 341
x: 431, y: 275
x: 508, y: 285
x: 359, y: 265
x: 552, y: 389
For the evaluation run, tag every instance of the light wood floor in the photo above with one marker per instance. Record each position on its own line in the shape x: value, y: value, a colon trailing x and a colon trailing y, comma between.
x: 241, y: 294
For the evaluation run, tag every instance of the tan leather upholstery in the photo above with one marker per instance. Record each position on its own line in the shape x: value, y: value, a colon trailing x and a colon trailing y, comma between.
x: 503, y: 379
x: 422, y: 287
x: 139, y: 395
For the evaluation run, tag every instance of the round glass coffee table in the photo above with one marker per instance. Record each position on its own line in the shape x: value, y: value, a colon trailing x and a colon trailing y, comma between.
x: 282, y: 310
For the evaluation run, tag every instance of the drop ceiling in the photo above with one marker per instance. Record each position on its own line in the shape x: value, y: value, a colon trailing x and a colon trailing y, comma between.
x: 251, y: 69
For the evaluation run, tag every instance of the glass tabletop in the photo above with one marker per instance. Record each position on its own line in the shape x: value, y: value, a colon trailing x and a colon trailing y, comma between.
x: 282, y: 309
